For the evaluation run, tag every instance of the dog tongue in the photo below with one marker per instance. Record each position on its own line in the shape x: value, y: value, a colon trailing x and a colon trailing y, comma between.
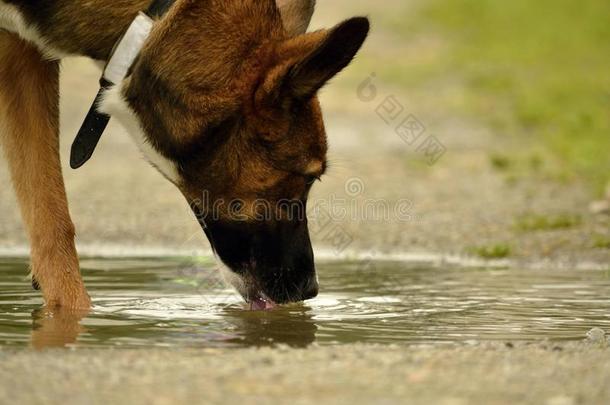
x: 261, y: 304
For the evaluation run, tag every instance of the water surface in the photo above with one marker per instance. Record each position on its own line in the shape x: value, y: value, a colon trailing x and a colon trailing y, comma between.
x: 182, y: 303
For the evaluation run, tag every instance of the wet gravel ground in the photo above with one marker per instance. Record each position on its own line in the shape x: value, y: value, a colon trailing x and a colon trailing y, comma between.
x: 489, y: 374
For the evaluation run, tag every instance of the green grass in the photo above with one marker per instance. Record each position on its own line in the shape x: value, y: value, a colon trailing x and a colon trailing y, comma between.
x: 494, y: 251
x: 535, y: 69
x: 530, y: 164
x: 500, y: 162
x: 601, y: 242
x: 539, y: 222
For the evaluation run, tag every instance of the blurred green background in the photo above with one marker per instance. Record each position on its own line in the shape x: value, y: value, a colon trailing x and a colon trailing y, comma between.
x: 535, y: 71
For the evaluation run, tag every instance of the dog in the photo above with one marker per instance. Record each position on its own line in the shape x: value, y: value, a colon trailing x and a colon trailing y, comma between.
x: 222, y: 100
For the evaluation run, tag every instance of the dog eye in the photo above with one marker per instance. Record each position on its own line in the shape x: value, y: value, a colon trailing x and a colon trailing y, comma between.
x: 312, y: 179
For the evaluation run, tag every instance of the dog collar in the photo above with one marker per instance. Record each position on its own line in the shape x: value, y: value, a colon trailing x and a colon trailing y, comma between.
x: 121, y: 59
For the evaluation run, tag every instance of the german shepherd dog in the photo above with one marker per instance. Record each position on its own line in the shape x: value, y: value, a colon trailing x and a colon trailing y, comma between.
x: 222, y: 101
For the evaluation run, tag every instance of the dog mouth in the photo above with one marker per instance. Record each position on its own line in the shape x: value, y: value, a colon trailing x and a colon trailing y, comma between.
x: 254, y: 296
x: 260, y: 302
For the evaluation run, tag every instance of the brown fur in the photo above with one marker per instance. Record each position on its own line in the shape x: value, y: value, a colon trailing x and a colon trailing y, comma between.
x: 89, y: 28
x: 224, y: 89
x: 296, y: 15
x: 30, y: 137
x: 219, y: 97
x: 92, y: 28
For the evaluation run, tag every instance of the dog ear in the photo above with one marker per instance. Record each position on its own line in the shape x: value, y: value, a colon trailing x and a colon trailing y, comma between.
x: 296, y: 15
x: 309, y: 61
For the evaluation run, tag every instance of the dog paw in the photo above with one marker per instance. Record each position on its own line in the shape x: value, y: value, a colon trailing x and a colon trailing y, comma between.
x: 70, y: 294
x: 70, y: 300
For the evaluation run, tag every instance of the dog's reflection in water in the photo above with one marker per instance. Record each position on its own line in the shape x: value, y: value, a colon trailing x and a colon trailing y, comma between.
x: 292, y: 325
x: 56, y: 327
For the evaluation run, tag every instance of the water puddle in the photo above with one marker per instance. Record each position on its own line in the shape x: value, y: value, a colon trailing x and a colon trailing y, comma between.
x: 182, y: 303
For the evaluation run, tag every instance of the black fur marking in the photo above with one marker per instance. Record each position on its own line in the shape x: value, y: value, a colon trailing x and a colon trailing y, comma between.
x: 35, y: 284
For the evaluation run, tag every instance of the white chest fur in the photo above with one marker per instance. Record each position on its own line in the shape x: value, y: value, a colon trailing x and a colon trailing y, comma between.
x: 12, y: 20
x: 115, y: 105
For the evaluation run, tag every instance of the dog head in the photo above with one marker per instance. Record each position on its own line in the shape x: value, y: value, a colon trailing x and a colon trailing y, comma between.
x: 224, y: 99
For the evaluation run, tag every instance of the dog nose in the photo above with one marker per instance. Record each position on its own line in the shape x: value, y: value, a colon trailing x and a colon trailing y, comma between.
x: 310, y: 289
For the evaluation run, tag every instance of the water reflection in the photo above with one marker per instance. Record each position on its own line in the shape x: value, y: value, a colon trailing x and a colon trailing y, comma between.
x: 145, y: 303
x: 56, y: 327
x: 293, y: 326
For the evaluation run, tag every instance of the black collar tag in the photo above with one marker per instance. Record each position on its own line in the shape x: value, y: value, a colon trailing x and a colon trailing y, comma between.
x: 96, y: 122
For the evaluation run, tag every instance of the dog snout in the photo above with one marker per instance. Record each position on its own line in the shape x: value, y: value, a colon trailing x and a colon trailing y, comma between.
x: 289, y: 285
x: 272, y: 261
x: 310, y: 289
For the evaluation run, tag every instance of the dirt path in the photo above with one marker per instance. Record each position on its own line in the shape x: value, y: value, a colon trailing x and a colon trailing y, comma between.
x: 496, y: 374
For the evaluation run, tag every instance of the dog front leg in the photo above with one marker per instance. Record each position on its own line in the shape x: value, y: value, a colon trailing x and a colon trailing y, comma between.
x: 29, y: 120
